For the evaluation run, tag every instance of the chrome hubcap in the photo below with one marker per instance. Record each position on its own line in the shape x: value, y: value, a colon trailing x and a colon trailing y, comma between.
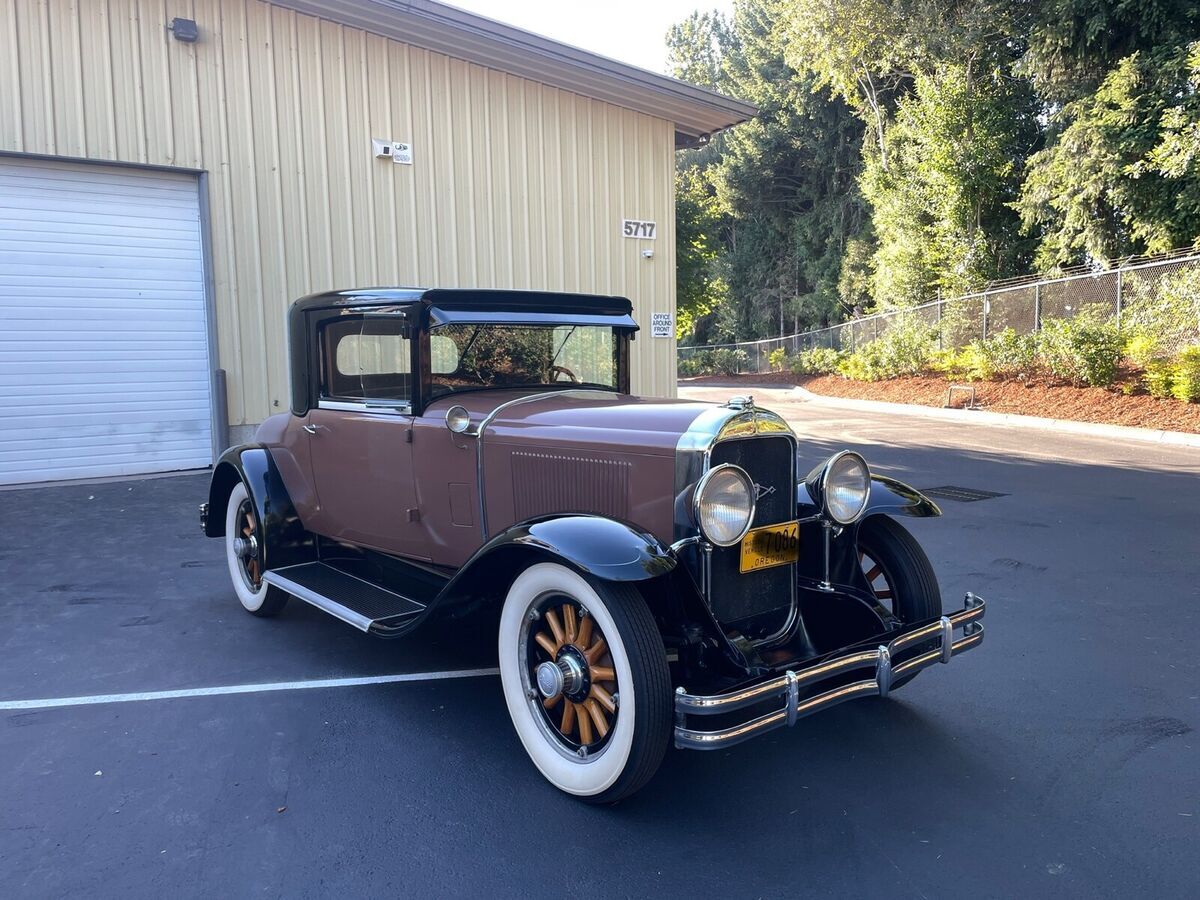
x: 562, y: 677
x: 572, y: 678
x: 245, y: 545
x: 245, y: 548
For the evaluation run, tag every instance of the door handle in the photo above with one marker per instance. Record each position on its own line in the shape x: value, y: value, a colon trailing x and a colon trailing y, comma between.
x: 311, y: 429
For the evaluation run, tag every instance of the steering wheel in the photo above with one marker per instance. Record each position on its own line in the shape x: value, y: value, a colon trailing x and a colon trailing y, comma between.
x: 555, y: 371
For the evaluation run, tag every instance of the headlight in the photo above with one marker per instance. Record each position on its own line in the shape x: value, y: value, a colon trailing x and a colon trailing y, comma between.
x: 844, y: 486
x: 724, y: 505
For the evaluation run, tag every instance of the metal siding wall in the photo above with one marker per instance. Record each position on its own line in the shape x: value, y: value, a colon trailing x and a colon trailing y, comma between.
x: 514, y: 183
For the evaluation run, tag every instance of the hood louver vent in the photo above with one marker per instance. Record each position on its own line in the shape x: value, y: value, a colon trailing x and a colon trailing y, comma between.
x: 569, y: 482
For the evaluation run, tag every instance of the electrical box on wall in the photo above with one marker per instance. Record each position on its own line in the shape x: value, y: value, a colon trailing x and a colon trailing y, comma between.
x: 396, y: 151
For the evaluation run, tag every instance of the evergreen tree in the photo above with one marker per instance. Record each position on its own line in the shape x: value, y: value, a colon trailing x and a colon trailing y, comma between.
x: 909, y: 147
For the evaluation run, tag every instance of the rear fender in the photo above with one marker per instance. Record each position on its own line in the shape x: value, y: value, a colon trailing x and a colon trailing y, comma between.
x: 285, y: 541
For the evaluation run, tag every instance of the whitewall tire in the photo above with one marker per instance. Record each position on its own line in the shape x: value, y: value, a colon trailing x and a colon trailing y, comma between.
x: 243, y: 553
x: 569, y: 641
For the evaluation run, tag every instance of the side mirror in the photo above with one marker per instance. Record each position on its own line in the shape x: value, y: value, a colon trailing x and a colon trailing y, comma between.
x: 458, y: 420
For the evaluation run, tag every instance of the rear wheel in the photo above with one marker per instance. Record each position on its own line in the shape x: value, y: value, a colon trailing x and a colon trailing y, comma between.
x: 898, y: 572
x: 244, y: 554
x: 586, y: 681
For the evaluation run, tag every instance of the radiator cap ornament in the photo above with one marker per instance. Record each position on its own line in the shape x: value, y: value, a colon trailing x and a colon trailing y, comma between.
x: 740, y: 403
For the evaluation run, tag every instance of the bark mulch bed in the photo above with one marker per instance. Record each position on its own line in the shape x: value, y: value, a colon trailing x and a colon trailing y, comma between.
x: 1033, y: 398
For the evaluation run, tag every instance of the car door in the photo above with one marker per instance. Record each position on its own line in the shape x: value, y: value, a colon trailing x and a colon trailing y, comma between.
x: 360, y: 435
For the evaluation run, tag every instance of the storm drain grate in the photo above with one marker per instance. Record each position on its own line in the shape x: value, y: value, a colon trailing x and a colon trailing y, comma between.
x: 961, y: 494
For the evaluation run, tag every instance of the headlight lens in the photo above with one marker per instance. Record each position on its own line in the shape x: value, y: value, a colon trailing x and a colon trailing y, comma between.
x: 847, y: 485
x: 724, y: 505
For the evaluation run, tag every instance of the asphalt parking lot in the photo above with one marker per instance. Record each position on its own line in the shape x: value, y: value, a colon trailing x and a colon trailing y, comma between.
x: 1060, y: 759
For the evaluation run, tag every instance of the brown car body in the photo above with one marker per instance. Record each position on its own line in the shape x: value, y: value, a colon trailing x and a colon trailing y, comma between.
x: 566, y: 451
x: 385, y: 501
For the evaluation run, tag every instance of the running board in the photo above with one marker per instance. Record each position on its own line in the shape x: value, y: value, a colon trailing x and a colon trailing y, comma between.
x: 366, y: 606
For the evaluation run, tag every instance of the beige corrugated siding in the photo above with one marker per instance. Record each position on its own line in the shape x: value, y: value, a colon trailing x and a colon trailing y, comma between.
x: 514, y: 183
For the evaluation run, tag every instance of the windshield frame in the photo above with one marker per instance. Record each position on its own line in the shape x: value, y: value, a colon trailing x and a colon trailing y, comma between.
x: 555, y: 347
x: 622, y: 335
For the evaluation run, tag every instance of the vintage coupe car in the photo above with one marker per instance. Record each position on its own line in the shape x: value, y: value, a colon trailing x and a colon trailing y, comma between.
x: 656, y: 570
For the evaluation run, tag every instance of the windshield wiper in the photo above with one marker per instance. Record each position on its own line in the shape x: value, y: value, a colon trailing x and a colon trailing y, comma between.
x: 554, y: 358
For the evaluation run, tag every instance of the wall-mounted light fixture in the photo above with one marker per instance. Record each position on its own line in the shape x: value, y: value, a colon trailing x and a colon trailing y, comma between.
x: 185, y: 30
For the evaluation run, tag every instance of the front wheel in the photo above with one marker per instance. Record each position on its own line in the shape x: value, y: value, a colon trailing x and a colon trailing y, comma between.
x: 586, y: 681
x: 898, y: 572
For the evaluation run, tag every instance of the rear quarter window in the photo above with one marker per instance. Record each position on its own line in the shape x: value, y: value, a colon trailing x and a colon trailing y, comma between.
x: 367, y: 358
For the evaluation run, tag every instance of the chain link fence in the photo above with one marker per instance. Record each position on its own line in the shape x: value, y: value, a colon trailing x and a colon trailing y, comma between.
x: 1132, y: 290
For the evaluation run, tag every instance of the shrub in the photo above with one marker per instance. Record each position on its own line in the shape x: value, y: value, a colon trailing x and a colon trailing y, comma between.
x: 1006, y: 354
x: 1158, y: 377
x: 817, y: 361
x: 1082, y: 350
x: 777, y: 359
x: 1185, y: 375
x: 964, y: 364
x: 1142, y: 347
x: 906, y: 348
x: 729, y: 361
x: 691, y: 366
x: 861, y: 365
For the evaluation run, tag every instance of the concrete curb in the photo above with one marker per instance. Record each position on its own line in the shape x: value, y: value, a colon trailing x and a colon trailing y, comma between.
x: 981, y: 417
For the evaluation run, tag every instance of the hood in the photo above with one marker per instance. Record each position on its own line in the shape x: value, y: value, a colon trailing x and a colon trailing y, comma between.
x: 596, y: 419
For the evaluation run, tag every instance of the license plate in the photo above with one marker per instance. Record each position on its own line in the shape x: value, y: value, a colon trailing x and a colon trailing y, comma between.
x: 772, y: 545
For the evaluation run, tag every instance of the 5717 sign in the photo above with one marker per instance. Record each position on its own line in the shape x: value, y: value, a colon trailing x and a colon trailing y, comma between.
x: 632, y: 228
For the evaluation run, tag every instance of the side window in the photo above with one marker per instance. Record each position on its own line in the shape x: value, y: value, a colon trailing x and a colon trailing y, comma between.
x: 366, y: 359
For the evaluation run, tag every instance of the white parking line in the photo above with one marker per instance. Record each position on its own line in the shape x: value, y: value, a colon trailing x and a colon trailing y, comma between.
x: 244, y: 689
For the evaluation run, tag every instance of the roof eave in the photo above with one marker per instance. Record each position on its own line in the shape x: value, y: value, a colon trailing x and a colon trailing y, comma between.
x: 696, y: 112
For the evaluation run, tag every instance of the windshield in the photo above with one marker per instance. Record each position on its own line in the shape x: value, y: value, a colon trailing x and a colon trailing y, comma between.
x: 477, y: 357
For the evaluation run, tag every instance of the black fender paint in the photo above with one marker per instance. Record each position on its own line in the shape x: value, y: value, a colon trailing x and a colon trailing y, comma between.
x: 888, y: 496
x: 605, y: 548
x: 284, y: 540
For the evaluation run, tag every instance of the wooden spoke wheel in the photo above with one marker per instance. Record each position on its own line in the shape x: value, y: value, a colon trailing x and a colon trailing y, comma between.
x: 877, y: 580
x: 244, y: 554
x: 247, y: 547
x: 572, y: 669
x: 586, y: 681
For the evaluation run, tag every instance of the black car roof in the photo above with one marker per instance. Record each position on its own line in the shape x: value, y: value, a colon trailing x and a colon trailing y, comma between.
x: 443, y: 306
x: 460, y: 300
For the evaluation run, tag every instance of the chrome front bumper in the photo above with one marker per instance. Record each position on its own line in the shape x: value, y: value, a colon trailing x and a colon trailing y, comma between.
x: 792, y: 684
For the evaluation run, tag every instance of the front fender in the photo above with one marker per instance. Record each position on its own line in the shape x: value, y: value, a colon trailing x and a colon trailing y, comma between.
x: 606, y: 548
x: 593, y: 545
x: 899, y: 499
x: 889, y: 496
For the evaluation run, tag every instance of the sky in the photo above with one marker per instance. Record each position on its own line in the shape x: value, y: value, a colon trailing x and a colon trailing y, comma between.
x: 632, y: 31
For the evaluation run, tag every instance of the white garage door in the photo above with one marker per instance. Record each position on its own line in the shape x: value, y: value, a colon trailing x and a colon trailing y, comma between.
x: 104, y: 366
